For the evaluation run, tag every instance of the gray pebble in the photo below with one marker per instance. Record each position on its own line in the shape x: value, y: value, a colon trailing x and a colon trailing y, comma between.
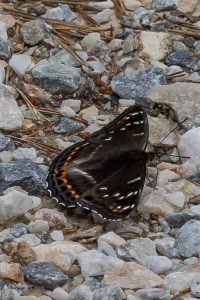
x: 5, y: 52
x: 139, y: 18
x: 56, y: 77
x: 45, y: 274
x: 136, y: 84
x: 176, y: 219
x: 160, y: 25
x: 33, y: 32
x: 160, y: 5
x: 18, y: 230
x: 157, y: 264
x: 153, y: 293
x: 20, y: 288
x: 188, y: 239
x: 137, y: 249
x: 195, y: 288
x: 111, y: 292
x: 92, y: 283
x: 23, y: 173
x: 183, y: 58
x: 66, y: 125
x: 94, y: 263
x: 106, y: 248
x: 69, y: 15
x: 81, y: 292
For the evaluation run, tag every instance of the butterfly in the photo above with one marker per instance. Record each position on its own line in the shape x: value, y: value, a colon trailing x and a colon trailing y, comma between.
x: 105, y: 173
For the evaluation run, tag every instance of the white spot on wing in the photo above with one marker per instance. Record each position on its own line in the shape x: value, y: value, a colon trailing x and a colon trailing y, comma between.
x: 133, y: 180
x: 55, y: 199
x: 122, y: 197
x: 129, y: 195
x: 103, y: 188
x: 123, y: 128
x: 138, y: 122
x: 79, y: 171
x: 105, y: 196
x: 108, y: 139
x: 138, y: 134
x: 50, y: 193
x: 126, y: 118
x: 126, y: 207
x: 137, y: 113
x: 116, y: 195
x: 85, y: 207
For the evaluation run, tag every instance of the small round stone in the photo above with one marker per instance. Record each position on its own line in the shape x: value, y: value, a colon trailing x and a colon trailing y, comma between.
x: 57, y: 235
x: 30, y: 238
x: 18, y: 230
x: 38, y: 226
x: 195, y: 288
x: 157, y: 264
x: 59, y: 294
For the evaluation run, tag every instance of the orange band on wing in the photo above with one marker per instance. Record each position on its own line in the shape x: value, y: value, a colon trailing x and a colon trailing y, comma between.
x: 63, y: 177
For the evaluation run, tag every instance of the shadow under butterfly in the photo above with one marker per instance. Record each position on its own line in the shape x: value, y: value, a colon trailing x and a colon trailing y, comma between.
x: 106, y: 172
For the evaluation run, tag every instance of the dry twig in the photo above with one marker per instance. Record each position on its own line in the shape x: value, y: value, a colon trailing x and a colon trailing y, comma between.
x: 32, y: 108
x: 39, y: 145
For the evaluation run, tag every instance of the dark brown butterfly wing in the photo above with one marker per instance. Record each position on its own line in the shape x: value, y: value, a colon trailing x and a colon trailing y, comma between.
x: 118, y: 194
x: 109, y: 158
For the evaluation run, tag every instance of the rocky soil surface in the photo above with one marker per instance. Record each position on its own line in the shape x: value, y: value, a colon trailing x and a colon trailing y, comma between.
x: 67, y: 68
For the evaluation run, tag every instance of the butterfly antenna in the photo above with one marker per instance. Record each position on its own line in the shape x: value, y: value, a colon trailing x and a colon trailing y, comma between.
x: 156, y: 153
x: 180, y: 156
x: 179, y: 125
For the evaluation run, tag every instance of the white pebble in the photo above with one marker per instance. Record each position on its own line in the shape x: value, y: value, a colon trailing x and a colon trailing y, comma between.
x: 31, y: 239
x: 90, y: 39
x: 176, y: 198
x: 189, y: 145
x: 20, y: 63
x: 23, y: 153
x: 38, y: 226
x: 74, y: 104
x: 104, y: 16
x: 157, y: 264
x: 59, y: 294
x: 2, y: 74
x: 66, y: 111
x: 57, y: 235
x: 126, y: 102
x: 3, y: 31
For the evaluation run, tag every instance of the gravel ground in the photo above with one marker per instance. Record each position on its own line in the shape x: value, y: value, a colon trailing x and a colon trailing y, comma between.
x: 66, y: 70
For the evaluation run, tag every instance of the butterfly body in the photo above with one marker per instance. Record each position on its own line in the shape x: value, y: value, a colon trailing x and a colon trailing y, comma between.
x: 106, y: 172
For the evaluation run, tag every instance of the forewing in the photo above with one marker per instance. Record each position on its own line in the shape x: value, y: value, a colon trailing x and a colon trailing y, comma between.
x: 128, y: 132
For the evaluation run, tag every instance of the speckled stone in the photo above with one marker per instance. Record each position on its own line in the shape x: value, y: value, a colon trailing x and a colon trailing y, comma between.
x: 45, y: 274
x: 66, y: 125
x: 24, y: 173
